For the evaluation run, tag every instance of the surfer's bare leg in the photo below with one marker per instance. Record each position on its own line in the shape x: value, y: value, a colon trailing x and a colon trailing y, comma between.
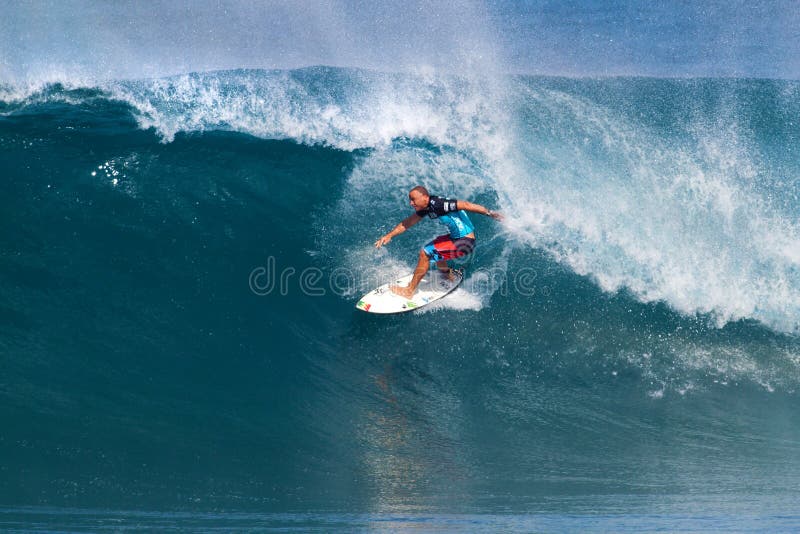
x: 422, y: 267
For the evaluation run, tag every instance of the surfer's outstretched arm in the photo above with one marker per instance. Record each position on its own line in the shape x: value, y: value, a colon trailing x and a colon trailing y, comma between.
x: 477, y: 208
x: 407, y: 223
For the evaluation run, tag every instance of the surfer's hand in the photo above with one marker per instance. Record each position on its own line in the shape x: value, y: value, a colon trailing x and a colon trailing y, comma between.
x: 382, y: 241
x: 496, y: 215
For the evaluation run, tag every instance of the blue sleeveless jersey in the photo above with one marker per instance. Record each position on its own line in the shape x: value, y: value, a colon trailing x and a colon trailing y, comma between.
x: 444, y: 209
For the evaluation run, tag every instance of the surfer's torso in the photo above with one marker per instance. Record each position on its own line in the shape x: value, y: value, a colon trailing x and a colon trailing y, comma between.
x: 446, y: 210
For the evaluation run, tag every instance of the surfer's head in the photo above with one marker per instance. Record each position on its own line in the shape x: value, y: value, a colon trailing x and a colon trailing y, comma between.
x: 419, y: 198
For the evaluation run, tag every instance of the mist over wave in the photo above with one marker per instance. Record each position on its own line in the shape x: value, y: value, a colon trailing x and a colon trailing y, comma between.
x: 679, y: 196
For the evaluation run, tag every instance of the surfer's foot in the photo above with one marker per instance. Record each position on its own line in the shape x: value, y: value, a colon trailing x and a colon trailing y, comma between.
x: 449, y: 273
x: 405, y: 292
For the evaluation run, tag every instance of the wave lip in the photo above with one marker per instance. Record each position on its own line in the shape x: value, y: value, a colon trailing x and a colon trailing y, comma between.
x: 342, y: 108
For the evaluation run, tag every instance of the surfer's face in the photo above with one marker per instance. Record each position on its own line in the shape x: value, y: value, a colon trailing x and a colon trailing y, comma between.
x: 418, y: 200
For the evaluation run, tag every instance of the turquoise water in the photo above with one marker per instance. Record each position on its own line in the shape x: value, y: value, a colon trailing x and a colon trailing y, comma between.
x: 88, y: 520
x: 181, y: 258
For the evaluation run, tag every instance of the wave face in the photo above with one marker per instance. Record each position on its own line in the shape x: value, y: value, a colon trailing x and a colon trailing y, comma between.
x: 181, y: 258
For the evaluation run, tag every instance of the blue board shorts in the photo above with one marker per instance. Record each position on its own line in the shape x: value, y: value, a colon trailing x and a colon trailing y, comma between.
x: 445, y: 247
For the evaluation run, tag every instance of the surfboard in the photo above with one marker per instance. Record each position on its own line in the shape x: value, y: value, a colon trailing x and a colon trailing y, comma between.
x: 433, y: 286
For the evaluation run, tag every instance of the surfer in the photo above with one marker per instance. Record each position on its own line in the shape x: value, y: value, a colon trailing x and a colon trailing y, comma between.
x: 458, y: 243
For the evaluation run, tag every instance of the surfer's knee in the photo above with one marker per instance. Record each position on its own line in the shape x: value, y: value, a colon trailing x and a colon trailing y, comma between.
x: 423, y: 256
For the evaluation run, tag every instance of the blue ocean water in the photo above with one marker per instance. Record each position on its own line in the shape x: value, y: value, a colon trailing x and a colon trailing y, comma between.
x: 180, y: 260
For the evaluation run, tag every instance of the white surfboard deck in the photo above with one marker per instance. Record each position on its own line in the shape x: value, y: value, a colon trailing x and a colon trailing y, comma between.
x: 433, y: 286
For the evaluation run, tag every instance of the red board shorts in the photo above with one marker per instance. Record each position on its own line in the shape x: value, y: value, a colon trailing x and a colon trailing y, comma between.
x: 445, y: 247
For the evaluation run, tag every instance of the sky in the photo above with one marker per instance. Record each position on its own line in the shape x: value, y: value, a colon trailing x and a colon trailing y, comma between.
x: 654, y: 38
x: 134, y: 39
